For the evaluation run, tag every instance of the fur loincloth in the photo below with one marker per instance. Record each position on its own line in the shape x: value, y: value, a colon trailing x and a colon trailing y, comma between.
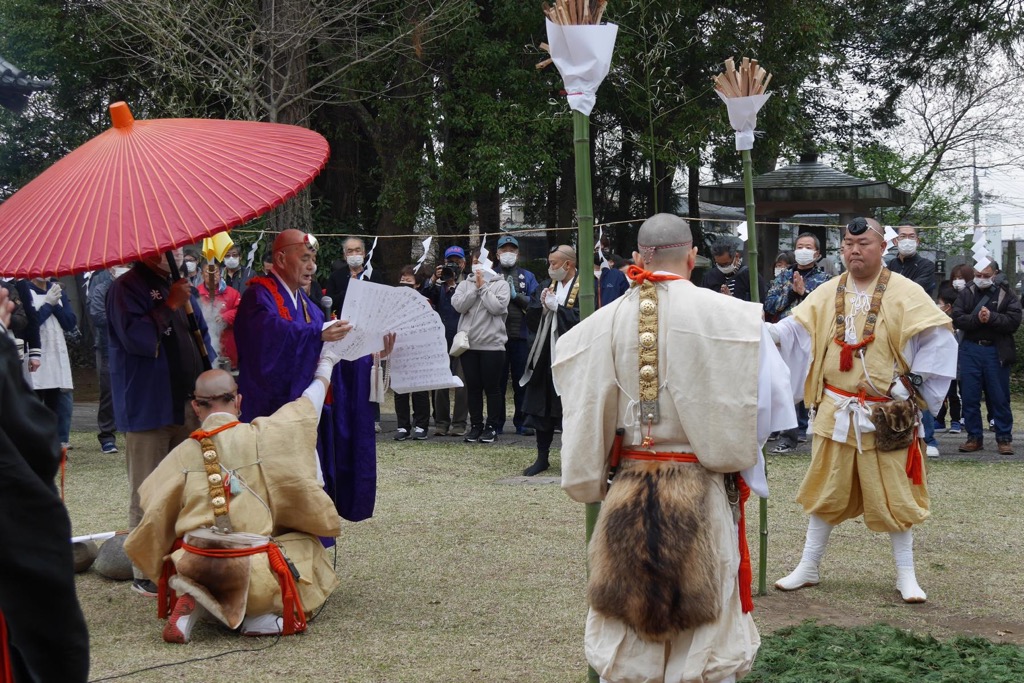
x: 653, y: 560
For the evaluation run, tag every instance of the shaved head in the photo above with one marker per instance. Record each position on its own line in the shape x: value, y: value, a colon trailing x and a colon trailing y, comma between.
x: 664, y: 238
x: 287, y: 238
x: 215, y: 383
x: 566, y: 251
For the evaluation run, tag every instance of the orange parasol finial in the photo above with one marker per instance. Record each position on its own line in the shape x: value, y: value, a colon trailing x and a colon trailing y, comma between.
x: 121, y: 115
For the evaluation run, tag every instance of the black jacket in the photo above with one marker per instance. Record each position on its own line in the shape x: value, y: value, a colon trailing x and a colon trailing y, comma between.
x: 714, y: 279
x: 337, y: 286
x: 1005, y: 317
x: 916, y: 268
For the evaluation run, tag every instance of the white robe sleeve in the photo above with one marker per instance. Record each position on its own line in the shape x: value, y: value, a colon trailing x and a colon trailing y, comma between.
x: 933, y: 355
x: 795, y: 348
x: 775, y: 407
x: 316, y: 392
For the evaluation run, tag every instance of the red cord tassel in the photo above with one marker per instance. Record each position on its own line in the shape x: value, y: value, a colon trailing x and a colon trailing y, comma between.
x: 6, y: 668
x: 745, y: 574
x: 915, y: 467
x: 846, y: 355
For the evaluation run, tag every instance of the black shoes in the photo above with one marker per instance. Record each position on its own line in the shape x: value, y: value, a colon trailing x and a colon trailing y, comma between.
x: 488, y: 435
x: 474, y: 434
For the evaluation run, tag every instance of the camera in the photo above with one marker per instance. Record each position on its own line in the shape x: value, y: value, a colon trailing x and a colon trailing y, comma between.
x: 449, y: 272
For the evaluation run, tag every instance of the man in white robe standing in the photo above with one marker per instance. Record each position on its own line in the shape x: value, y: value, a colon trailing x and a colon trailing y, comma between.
x: 669, y: 589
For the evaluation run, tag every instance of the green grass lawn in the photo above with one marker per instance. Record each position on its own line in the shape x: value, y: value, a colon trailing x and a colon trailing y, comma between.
x: 460, y: 577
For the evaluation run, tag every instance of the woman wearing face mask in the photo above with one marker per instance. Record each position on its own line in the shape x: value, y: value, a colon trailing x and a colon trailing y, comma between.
x: 234, y: 274
x: 190, y: 268
x: 482, y: 302
x: 789, y: 288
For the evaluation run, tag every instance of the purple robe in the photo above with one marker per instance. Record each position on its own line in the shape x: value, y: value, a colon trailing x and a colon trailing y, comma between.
x: 276, y: 362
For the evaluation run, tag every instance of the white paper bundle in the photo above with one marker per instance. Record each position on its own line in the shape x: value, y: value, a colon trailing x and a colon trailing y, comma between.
x: 582, y: 54
x: 743, y: 117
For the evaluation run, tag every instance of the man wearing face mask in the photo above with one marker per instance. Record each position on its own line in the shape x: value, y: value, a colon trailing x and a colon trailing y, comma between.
x: 988, y: 313
x: 909, y: 263
x: 154, y: 363
x: 522, y: 284
x: 236, y: 275
x: 355, y: 259
x: 729, y: 276
x: 99, y: 285
x: 449, y: 419
x: 788, y: 289
x: 554, y: 310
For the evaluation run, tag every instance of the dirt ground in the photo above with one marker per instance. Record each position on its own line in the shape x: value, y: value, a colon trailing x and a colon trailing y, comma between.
x: 779, y: 610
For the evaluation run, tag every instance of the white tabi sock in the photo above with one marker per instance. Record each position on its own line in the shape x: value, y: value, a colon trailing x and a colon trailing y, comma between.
x: 906, y: 579
x: 806, y: 573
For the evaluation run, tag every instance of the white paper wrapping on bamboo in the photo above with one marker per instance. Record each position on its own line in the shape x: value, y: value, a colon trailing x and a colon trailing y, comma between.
x: 980, y: 250
x: 582, y: 54
x: 743, y: 117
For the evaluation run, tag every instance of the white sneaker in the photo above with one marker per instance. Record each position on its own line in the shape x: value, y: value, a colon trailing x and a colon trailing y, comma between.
x: 931, y: 452
x: 419, y: 434
x: 262, y: 625
x: 805, y: 574
x: 906, y: 584
x: 377, y: 428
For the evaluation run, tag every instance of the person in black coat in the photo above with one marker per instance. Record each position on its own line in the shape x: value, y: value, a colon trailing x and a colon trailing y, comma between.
x: 47, y: 635
x: 354, y: 269
x: 729, y: 276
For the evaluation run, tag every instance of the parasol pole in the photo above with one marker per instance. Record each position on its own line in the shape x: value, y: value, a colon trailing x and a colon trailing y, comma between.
x: 743, y: 91
x: 193, y: 322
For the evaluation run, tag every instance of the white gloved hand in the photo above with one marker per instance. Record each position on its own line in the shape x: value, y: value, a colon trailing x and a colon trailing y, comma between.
x: 52, y: 296
x: 330, y: 354
x: 551, y: 302
x: 898, y: 391
x: 773, y: 333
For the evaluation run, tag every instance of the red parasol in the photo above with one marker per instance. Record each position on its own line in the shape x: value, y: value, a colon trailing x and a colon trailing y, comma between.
x: 143, y: 187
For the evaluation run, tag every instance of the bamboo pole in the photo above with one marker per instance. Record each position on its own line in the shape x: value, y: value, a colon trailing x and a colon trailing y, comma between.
x: 585, y: 247
x: 755, y: 297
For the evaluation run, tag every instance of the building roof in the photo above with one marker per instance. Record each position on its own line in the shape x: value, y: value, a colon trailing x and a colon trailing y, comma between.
x: 805, y: 186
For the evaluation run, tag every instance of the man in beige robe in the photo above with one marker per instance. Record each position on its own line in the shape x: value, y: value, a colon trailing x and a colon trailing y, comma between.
x: 268, y: 474
x: 912, y: 344
x: 720, y: 388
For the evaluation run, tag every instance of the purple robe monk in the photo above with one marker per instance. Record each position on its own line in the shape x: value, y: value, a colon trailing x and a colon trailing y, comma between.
x: 279, y: 333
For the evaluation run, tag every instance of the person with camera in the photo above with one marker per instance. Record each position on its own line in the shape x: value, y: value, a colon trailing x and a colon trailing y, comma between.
x: 52, y: 381
x: 870, y: 350
x: 449, y: 418
x: 482, y: 301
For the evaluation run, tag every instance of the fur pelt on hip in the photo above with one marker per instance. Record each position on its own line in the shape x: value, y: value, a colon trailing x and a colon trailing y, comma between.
x: 653, y: 560
x: 220, y: 584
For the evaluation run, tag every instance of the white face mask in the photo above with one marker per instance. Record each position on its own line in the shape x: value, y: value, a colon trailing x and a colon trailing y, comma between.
x: 906, y: 247
x: 477, y: 268
x: 779, y: 271
x: 804, y: 256
x: 729, y: 269
x: 508, y: 258
x: 959, y: 284
x: 354, y: 261
x: 983, y: 282
x: 231, y: 262
x: 190, y: 266
x: 557, y: 274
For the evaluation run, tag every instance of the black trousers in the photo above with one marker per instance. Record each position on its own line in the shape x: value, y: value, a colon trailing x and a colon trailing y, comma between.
x: 952, y: 402
x: 483, y: 370
x: 105, y: 416
x: 48, y: 640
x: 420, y: 410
